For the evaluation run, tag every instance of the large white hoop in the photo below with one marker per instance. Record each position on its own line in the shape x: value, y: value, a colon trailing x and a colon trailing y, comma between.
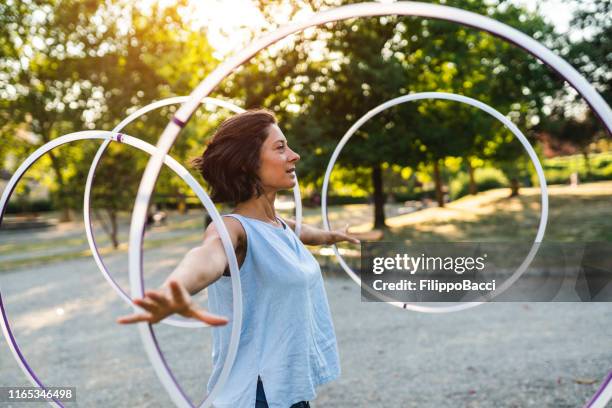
x: 477, y: 104
x: 208, y: 204
x: 91, y: 240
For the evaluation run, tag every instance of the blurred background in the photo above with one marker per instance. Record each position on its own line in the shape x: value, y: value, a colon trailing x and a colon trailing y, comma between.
x: 425, y: 171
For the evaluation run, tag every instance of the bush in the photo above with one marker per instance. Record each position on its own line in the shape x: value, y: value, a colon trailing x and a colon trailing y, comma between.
x: 486, y: 178
x: 413, y: 196
x: 554, y: 166
x: 559, y: 176
x: 601, y: 169
x: 343, y: 200
x: 599, y: 174
x: 559, y: 169
x: 602, y: 163
x: 35, y: 206
x: 41, y: 206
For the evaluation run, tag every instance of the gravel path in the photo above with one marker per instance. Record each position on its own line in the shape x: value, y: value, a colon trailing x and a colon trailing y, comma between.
x: 496, y: 355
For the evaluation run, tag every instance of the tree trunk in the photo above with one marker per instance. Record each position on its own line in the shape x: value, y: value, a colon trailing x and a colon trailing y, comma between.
x: 56, y: 166
x: 111, y: 230
x: 61, y: 184
x: 182, y: 205
x: 112, y: 215
x: 514, y: 187
x: 438, y: 181
x: 379, y: 197
x: 587, y: 162
x: 472, y: 187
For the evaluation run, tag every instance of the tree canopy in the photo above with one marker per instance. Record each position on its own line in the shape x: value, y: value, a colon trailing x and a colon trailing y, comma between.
x: 69, y: 65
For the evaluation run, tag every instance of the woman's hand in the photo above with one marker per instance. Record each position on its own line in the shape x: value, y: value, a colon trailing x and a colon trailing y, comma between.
x: 341, y: 235
x: 159, y: 304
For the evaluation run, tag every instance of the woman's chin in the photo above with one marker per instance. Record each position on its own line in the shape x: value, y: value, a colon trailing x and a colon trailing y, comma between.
x: 292, y: 181
x: 290, y: 184
x: 284, y: 187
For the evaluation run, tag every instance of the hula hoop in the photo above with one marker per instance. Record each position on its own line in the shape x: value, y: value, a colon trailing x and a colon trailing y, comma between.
x: 87, y: 199
x: 603, y: 394
x: 91, y: 240
x: 477, y: 104
x: 181, y: 117
x: 188, y: 178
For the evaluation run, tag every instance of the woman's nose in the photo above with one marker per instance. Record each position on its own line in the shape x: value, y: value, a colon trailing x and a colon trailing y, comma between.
x: 295, y: 157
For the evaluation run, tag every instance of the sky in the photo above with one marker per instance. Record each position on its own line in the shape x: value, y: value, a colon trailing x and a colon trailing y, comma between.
x: 231, y: 17
x: 559, y: 12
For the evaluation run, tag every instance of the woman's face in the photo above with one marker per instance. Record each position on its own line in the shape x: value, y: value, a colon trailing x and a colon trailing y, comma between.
x: 277, y: 162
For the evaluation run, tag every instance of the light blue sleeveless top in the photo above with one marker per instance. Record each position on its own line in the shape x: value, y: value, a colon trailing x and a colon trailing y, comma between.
x: 287, y: 335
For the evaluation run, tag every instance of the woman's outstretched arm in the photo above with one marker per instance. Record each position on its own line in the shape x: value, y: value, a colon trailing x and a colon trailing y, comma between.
x: 200, y: 267
x: 310, y: 235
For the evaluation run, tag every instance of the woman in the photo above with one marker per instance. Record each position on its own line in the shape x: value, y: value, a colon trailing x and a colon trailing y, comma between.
x: 287, y: 344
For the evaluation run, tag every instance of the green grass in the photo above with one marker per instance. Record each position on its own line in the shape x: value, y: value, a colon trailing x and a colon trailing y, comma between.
x: 6, y: 249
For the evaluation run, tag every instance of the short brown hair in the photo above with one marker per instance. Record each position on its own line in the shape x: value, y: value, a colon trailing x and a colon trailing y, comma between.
x: 230, y: 162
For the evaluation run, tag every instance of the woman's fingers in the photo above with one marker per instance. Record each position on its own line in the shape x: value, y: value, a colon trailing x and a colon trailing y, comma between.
x: 135, y: 318
x: 344, y: 236
x: 208, y: 318
x: 158, y: 305
x: 177, y: 294
x: 147, y: 305
x: 158, y: 298
x: 349, y: 237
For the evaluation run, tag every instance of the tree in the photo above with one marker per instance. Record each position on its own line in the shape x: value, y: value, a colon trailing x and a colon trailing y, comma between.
x: 40, y: 47
x: 587, y: 47
x: 364, y: 62
x: 71, y: 65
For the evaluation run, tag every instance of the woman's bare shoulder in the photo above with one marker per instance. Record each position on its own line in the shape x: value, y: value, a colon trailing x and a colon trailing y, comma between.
x: 234, y: 228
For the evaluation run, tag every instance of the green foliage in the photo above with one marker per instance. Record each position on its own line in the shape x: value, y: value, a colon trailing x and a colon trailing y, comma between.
x: 587, y: 47
x: 70, y: 65
x: 486, y: 178
x: 318, y: 83
x: 344, y: 200
x: 26, y: 206
x: 371, y: 60
x: 558, y: 170
x: 415, y: 195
